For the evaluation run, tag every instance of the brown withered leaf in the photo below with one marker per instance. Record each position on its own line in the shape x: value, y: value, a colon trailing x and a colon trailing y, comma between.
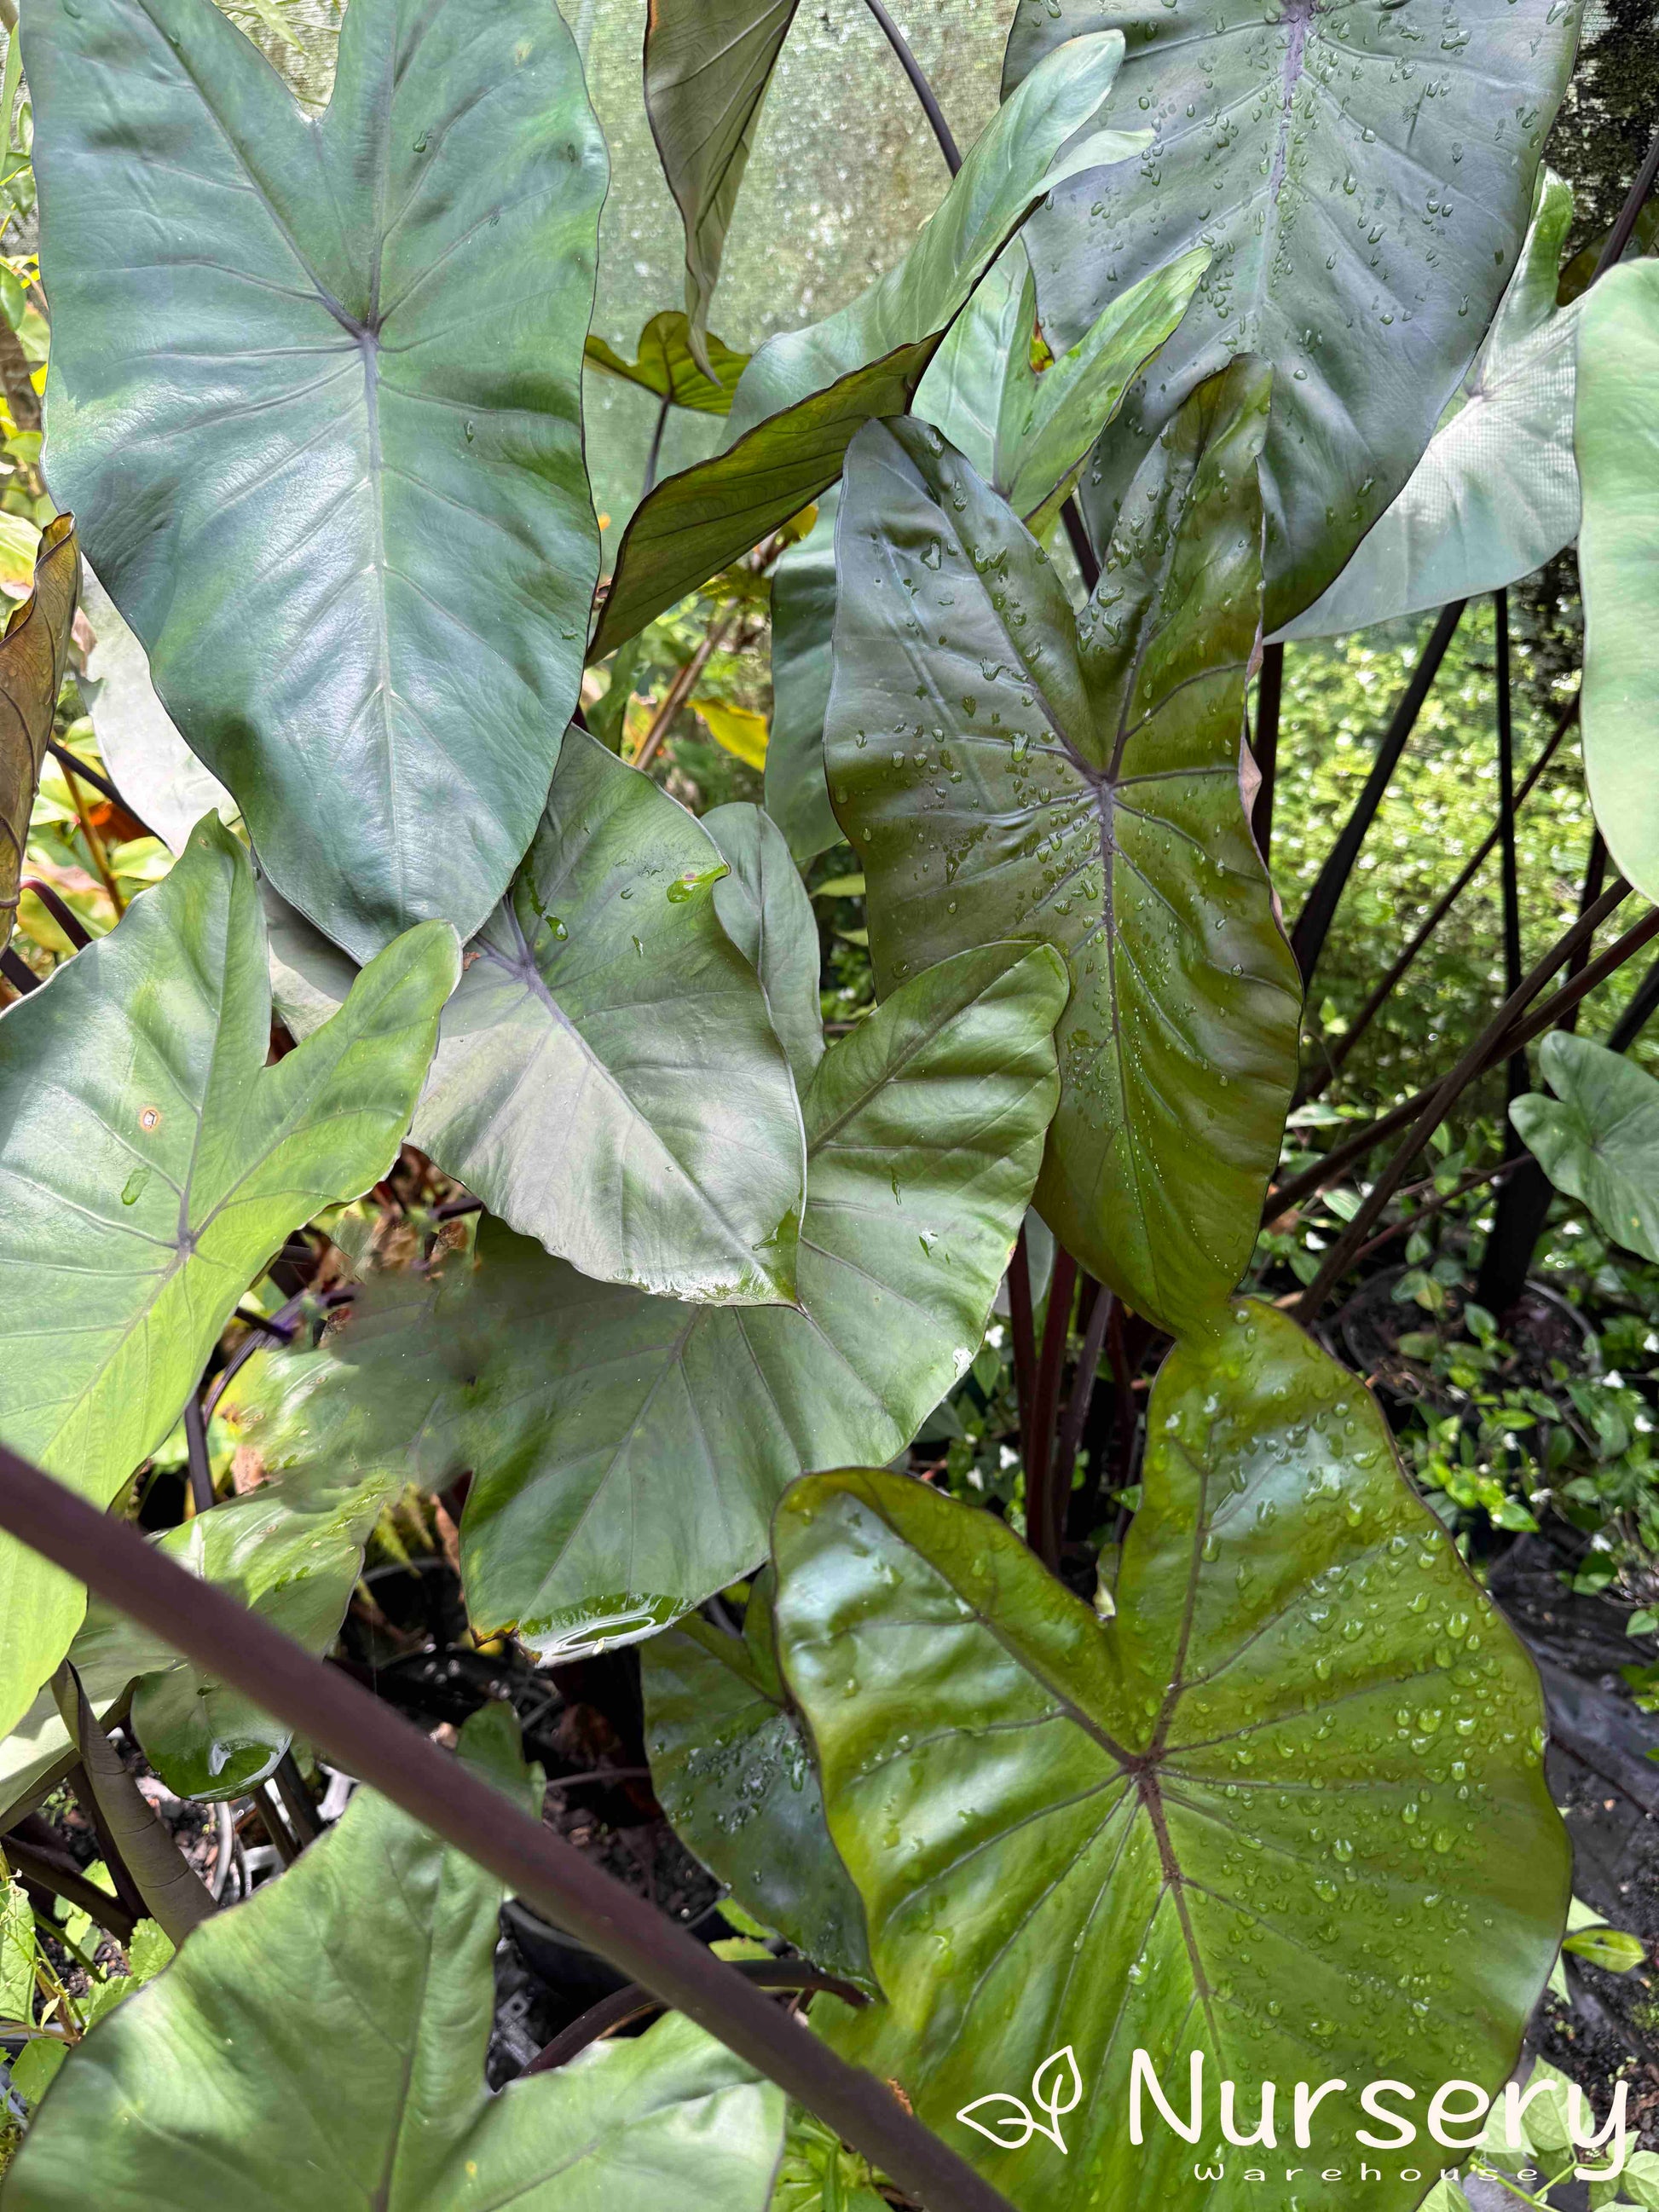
x: 32, y: 652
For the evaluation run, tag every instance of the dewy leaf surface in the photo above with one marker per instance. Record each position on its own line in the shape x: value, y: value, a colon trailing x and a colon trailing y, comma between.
x: 734, y: 1774
x: 1495, y: 496
x: 627, y: 1451
x: 34, y: 652
x: 1598, y: 1139
x: 1287, y: 1809
x: 150, y: 1163
x: 764, y: 907
x: 343, y: 504
x: 1364, y: 175
x: 329, y: 2036
x: 1002, y: 770
x: 607, y: 1078
x: 708, y: 65
x: 1616, y: 433
x: 803, y: 396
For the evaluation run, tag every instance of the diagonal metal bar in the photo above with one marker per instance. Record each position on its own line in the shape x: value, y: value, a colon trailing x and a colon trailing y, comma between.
x: 364, y: 1737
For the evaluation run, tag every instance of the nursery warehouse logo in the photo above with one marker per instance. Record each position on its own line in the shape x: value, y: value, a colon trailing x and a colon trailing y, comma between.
x: 1457, y: 2117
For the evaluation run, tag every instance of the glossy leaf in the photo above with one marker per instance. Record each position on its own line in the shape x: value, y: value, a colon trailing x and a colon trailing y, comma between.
x: 666, y: 366
x: 348, y: 519
x: 154, y: 769
x: 1364, y: 178
x: 803, y: 618
x: 1598, y: 1139
x: 607, y: 1079
x: 1617, y: 437
x: 1496, y: 495
x: 805, y: 394
x: 626, y: 1451
x: 1080, y: 782
x: 697, y: 523
x: 1027, y: 433
x: 708, y: 65
x: 34, y: 653
x: 734, y: 1773
x: 364, y: 2078
x: 150, y: 1163
x: 1286, y: 1809
x: 763, y: 908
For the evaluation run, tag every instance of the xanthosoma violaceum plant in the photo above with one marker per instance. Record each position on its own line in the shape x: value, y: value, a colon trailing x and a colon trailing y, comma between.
x: 315, y: 394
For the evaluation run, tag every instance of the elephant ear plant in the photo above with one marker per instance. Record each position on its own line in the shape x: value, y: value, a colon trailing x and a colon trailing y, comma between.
x: 1039, y: 1830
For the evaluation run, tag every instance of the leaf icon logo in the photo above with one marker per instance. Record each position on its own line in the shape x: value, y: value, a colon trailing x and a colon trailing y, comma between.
x: 1056, y: 2089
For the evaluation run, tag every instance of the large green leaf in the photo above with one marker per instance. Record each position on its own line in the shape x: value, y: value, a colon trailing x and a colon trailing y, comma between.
x: 1496, y: 495
x: 805, y: 394
x: 1363, y: 176
x: 666, y: 366
x: 290, y: 1551
x: 1002, y: 770
x: 315, y: 395
x: 1287, y: 1809
x: 33, y: 652
x: 607, y: 1078
x: 708, y: 65
x: 1029, y: 434
x: 324, y: 2044
x: 1600, y: 1142
x: 150, y: 1163
x: 734, y: 1774
x: 1616, y: 433
x: 627, y: 1451
x: 803, y: 618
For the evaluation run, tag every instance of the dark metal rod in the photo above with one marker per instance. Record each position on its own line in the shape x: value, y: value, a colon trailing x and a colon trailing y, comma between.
x: 1264, y: 744
x: 1314, y: 922
x: 17, y: 972
x: 623, y: 2007
x: 1045, y: 1519
x: 63, y: 1878
x: 1023, y: 1329
x: 1095, y: 1315
x: 195, y: 1449
x: 1645, y: 1003
x: 924, y: 91
x: 1495, y: 1038
x: 1619, y: 236
x: 1517, y: 1079
x: 100, y: 783
x: 357, y: 1732
x: 1362, y: 1021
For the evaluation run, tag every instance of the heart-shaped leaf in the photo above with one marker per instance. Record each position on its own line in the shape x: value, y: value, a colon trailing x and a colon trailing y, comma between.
x: 349, y: 520
x: 33, y: 652
x: 806, y: 393
x: 1496, y: 495
x: 734, y: 1773
x: 150, y: 1163
x: 1286, y: 1810
x: 1599, y: 1143
x: 607, y: 1078
x: 667, y: 366
x: 1029, y: 434
x: 626, y: 1451
x: 1616, y: 435
x: 1003, y: 770
x: 1364, y: 178
x: 708, y: 65
x: 347, y: 2008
